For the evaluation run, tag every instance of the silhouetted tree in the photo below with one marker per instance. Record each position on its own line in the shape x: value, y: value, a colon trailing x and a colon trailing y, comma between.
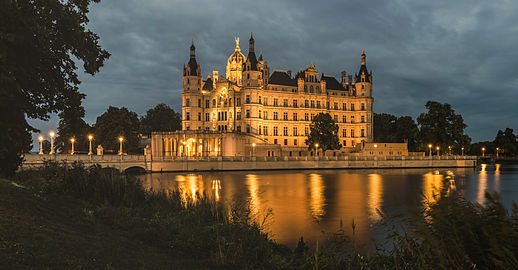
x: 323, y: 130
x: 39, y: 41
x: 71, y: 124
x: 116, y: 122
x: 442, y: 126
x: 506, y: 141
x: 389, y: 128
x: 161, y: 118
x: 384, y: 127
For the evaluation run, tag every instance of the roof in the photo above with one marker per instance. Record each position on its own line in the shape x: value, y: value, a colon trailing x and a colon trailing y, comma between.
x: 253, y: 61
x: 282, y: 78
x: 194, y: 66
x: 363, y: 70
x: 332, y: 83
x: 208, y: 85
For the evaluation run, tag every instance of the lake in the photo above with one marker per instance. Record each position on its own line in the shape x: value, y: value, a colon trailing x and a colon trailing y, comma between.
x: 313, y: 203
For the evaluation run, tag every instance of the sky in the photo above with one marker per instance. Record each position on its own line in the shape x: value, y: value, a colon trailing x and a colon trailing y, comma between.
x: 461, y: 52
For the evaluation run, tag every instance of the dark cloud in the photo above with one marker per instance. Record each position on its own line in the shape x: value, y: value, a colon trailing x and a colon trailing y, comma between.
x: 459, y: 52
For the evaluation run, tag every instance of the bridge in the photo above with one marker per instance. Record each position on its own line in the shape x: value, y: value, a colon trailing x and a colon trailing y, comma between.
x: 148, y: 163
x: 119, y: 162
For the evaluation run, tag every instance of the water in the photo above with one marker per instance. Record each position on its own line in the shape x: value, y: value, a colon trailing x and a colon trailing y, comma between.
x: 312, y: 204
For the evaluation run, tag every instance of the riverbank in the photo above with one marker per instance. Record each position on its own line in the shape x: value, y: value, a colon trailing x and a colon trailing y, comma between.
x: 91, y: 218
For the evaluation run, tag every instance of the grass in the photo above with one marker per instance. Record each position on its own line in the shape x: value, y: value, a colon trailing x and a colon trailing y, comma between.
x: 90, y: 218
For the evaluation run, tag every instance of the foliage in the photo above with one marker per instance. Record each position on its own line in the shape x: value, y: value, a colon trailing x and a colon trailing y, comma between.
x: 389, y: 128
x: 161, y: 118
x: 116, y: 122
x: 39, y: 41
x: 323, y: 130
x: 506, y: 141
x: 72, y: 125
x: 441, y: 126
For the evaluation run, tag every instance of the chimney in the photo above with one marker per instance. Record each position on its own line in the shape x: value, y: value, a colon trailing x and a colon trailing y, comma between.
x: 344, y: 77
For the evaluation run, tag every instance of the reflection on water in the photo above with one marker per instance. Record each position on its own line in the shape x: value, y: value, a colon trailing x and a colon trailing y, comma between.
x: 375, y: 196
x: 307, y: 203
x: 317, y: 199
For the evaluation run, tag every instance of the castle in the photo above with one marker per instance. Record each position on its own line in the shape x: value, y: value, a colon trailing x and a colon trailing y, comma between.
x: 252, y: 112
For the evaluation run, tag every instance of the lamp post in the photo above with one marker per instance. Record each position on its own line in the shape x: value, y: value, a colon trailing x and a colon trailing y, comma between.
x: 375, y: 148
x: 40, y: 138
x: 316, y: 149
x: 52, y: 134
x: 430, y: 146
x: 497, y: 149
x: 449, y: 150
x: 438, y: 148
x: 253, y: 149
x: 462, y: 150
x: 483, y: 150
x: 90, y: 138
x: 121, y: 139
x: 72, y: 140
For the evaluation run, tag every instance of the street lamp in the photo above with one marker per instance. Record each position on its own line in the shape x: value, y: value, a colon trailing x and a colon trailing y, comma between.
x: 497, y: 149
x: 52, y: 134
x: 438, y: 150
x: 316, y: 149
x: 121, y: 139
x: 72, y: 140
x: 483, y: 150
x: 90, y: 138
x: 40, y: 138
x: 375, y: 148
x: 449, y: 150
x: 430, y: 146
x: 462, y: 150
x: 253, y: 149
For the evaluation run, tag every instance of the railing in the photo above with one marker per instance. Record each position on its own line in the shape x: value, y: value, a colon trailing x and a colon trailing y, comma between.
x: 313, y: 158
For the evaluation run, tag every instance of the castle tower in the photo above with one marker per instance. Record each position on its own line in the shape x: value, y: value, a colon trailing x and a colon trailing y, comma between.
x: 191, y: 96
x: 235, y: 65
x: 363, y: 81
x: 252, y: 76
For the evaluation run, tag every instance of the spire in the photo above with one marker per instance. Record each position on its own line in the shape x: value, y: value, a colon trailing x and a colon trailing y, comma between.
x: 251, y: 43
x: 237, y: 44
x: 260, y: 54
x: 363, y: 58
x: 193, y: 55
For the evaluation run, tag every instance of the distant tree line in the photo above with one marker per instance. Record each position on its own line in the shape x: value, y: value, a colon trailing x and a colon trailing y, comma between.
x: 112, y: 124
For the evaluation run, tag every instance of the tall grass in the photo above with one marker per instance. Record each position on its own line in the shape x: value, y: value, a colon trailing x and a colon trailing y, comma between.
x: 452, y: 233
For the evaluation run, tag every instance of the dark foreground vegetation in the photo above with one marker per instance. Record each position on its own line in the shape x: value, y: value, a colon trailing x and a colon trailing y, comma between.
x: 62, y: 217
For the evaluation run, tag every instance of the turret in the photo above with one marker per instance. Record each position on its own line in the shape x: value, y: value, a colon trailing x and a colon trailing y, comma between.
x: 192, y: 72
x: 363, y: 80
x: 252, y: 76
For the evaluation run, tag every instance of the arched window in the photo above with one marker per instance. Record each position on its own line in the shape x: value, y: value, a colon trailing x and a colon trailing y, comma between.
x: 305, y: 88
x: 214, y: 103
x: 248, y: 76
x: 311, y: 89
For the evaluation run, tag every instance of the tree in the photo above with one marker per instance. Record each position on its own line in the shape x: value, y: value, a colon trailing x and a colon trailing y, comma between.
x: 506, y: 141
x: 114, y: 123
x: 384, y: 127
x: 161, y: 118
x: 389, y: 128
x: 323, y: 130
x: 39, y: 41
x: 72, y: 125
x: 440, y: 126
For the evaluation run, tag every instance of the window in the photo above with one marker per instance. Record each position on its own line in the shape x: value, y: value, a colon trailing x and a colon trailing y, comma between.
x: 363, y: 119
x: 214, y: 103
x: 265, y: 115
x: 335, y: 117
x: 295, y: 143
x: 327, y: 105
x: 312, y: 116
x: 238, y: 101
x: 275, y: 102
x: 294, y: 116
x: 199, y: 103
x: 285, y: 141
x: 352, y: 133
x: 247, y: 99
x: 352, y: 119
x: 311, y: 89
x: 363, y: 132
x: 312, y: 104
x: 285, y: 131
x: 238, y: 115
x: 344, y: 143
x: 199, y: 116
x: 265, y: 130
x: 344, y: 119
x: 306, y: 131
x: 275, y: 116
x: 247, y: 128
x: 275, y: 131
x: 207, y: 103
x: 363, y: 86
x: 265, y: 101
x: 336, y: 106
x: 295, y: 133
x: 344, y: 133
x: 274, y: 142
x: 207, y: 117
x: 260, y: 114
x: 247, y: 113
x: 318, y: 104
x: 187, y: 116
x: 259, y: 99
x: 225, y: 116
x: 295, y: 103
x: 238, y: 128
x: 344, y: 107
x: 306, y: 103
x: 187, y: 102
x: 352, y: 107
x: 305, y: 88
x: 306, y: 117
x: 285, y: 103
x: 363, y: 106
x: 285, y: 116
x: 260, y: 131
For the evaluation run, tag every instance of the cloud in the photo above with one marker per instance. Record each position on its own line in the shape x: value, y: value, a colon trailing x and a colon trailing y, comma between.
x: 459, y: 52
